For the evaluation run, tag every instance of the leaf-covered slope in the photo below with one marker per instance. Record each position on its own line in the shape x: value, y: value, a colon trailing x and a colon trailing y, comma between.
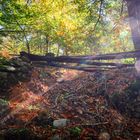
x: 93, y: 102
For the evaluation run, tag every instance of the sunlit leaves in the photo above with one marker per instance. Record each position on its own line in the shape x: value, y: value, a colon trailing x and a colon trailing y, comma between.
x: 74, y: 25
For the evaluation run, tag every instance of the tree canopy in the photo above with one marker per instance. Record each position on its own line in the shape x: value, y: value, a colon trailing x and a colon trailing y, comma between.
x: 69, y: 27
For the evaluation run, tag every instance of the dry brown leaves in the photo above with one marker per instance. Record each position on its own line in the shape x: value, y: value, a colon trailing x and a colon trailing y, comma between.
x: 80, y: 97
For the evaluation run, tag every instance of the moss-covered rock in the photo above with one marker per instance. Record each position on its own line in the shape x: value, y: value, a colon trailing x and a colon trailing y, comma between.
x: 13, y: 71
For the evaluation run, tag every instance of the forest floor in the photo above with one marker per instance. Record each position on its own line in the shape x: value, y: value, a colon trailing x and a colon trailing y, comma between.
x: 87, y: 106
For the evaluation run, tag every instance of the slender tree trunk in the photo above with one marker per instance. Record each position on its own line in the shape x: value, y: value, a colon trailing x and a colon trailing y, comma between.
x: 58, y: 50
x: 27, y: 44
x: 24, y: 34
x: 85, y: 52
x: 66, y: 51
x: 47, y: 45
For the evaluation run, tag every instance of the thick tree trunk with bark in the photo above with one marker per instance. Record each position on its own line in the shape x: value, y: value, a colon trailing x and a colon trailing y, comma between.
x: 134, y: 19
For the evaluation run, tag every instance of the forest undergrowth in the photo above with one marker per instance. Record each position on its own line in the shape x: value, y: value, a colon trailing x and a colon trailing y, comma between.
x: 96, y: 106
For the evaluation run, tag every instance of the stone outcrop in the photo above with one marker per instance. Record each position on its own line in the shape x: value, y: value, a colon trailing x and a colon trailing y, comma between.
x: 16, y: 70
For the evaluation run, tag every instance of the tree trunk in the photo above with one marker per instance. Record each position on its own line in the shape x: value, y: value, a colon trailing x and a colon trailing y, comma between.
x: 27, y: 45
x: 47, y: 45
x: 66, y: 51
x: 58, y: 50
x: 134, y: 20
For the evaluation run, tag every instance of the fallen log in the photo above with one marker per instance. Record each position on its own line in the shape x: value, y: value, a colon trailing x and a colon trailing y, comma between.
x: 87, y: 69
x: 81, y: 68
x: 88, y: 64
x: 114, y: 54
x: 78, y: 59
x: 118, y: 65
x: 95, y: 64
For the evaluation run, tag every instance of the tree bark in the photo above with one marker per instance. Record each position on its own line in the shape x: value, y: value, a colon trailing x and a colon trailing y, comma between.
x: 134, y: 20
